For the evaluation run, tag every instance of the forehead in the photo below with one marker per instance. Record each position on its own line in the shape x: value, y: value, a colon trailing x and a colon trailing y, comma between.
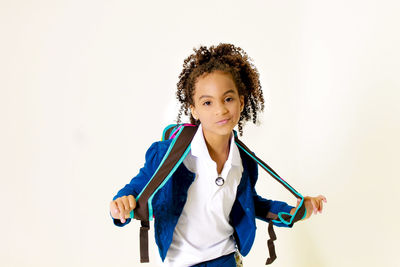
x: 214, y: 84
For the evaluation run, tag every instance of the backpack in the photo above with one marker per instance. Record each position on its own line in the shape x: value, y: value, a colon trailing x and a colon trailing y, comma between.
x: 182, y: 135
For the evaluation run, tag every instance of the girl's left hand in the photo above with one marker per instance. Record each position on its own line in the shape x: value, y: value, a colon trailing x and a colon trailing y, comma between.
x: 313, y: 205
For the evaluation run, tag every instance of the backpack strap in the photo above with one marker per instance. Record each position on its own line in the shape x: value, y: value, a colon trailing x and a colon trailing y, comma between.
x: 144, y: 241
x: 282, y: 217
x: 172, y: 130
x: 270, y: 242
x: 176, y: 152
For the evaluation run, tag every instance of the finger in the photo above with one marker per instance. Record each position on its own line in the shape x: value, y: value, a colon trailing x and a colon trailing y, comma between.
x: 114, y: 209
x: 320, y: 206
x: 322, y: 198
x: 126, y: 205
x: 132, y: 202
x: 314, y: 204
x: 128, y: 209
x: 121, y: 209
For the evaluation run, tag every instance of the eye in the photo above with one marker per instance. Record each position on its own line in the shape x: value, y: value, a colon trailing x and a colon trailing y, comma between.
x: 207, y: 103
x: 228, y: 99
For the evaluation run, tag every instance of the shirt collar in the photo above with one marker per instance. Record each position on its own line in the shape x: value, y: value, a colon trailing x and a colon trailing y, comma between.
x: 199, y: 148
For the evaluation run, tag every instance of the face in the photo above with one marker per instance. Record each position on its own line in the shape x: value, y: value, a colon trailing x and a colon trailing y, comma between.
x: 217, y: 103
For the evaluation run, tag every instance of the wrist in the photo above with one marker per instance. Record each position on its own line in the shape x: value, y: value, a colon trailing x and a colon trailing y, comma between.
x: 292, y: 211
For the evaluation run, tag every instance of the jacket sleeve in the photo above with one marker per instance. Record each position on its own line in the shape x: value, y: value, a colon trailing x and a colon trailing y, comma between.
x: 263, y: 206
x: 138, y: 182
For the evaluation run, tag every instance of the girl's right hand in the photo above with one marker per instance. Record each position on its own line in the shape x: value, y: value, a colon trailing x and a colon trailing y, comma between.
x: 121, y: 207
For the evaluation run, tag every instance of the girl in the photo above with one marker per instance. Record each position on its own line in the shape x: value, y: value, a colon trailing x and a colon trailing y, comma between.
x: 206, y: 212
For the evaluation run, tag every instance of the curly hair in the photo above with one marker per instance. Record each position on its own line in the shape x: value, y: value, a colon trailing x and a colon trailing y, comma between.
x: 229, y: 59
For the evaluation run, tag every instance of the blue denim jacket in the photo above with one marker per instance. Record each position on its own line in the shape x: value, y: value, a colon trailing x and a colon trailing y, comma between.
x: 168, y: 202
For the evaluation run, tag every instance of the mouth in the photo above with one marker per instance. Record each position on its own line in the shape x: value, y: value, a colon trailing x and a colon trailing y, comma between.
x: 224, y: 121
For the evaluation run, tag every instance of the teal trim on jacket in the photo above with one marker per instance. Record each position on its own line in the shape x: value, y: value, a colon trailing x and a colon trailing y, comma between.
x: 169, y: 201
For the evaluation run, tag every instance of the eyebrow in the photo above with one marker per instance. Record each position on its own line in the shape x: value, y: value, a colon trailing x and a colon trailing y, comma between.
x: 227, y: 92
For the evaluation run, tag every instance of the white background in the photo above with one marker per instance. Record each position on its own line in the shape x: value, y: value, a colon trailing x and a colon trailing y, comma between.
x: 87, y: 86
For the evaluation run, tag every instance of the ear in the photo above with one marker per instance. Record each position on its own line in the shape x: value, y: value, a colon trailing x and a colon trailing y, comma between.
x: 194, y: 112
x: 241, y: 98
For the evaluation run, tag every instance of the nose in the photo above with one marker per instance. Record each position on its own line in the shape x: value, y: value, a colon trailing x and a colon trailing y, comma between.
x: 221, y: 109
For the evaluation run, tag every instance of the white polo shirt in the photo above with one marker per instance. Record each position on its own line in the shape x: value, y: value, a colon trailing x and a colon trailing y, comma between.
x: 203, y: 231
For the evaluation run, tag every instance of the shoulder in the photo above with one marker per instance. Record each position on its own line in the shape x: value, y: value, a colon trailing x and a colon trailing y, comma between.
x: 155, y: 154
x: 158, y: 148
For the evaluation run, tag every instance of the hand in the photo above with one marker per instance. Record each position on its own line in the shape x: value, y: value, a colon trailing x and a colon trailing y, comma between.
x: 313, y: 205
x: 121, y: 207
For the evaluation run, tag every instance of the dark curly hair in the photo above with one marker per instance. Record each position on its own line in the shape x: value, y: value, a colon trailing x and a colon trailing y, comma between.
x: 229, y: 59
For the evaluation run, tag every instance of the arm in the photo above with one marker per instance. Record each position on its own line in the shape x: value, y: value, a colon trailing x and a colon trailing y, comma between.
x: 263, y: 206
x: 125, y: 200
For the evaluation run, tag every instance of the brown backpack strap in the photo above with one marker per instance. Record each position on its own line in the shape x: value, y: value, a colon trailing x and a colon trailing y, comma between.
x: 271, y: 246
x: 271, y: 216
x: 141, y: 211
x: 144, y: 241
x: 267, y: 168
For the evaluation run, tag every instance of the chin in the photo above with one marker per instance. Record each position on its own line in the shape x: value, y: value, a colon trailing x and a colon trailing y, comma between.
x: 223, y: 130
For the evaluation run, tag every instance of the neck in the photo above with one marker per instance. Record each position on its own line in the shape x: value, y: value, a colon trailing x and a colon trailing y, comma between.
x: 218, y: 145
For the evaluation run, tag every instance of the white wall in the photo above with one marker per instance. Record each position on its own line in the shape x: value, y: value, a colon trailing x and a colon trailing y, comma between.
x: 87, y: 86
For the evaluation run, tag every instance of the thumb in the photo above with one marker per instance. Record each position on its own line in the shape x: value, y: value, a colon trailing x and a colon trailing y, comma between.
x: 114, y: 210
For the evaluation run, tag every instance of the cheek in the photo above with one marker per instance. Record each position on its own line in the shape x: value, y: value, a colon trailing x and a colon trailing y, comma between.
x: 237, y: 108
x: 237, y: 113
